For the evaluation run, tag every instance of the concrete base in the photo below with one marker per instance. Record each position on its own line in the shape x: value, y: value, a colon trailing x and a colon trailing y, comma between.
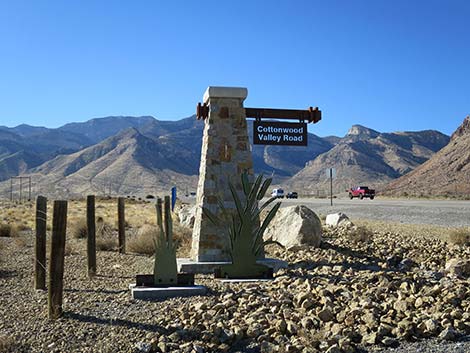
x: 246, y: 280
x: 154, y: 293
x: 190, y: 266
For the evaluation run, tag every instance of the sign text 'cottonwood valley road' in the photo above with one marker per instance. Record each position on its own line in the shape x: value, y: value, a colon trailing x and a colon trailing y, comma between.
x: 279, y: 133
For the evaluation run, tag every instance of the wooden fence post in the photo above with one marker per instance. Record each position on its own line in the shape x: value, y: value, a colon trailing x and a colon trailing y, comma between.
x: 56, y: 268
x: 121, y: 226
x: 91, y: 235
x: 40, y: 244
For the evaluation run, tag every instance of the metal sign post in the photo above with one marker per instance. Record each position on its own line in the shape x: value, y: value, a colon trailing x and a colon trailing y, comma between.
x: 331, y: 187
x: 331, y: 173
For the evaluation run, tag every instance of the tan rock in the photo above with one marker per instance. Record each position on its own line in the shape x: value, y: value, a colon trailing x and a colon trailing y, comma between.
x: 458, y: 268
x: 295, y: 227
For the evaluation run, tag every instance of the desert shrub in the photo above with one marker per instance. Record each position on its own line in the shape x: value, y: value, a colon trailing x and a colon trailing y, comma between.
x: 106, y: 239
x: 127, y: 225
x: 23, y: 226
x: 182, y: 237
x: 8, y: 230
x: 359, y: 234
x: 78, y: 229
x: 70, y: 249
x: 460, y: 236
x: 142, y: 242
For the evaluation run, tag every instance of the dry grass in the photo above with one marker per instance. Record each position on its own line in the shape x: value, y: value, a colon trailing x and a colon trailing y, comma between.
x: 414, y: 230
x: 78, y: 229
x: 7, y: 344
x: 70, y: 249
x: 142, y: 242
x: 23, y: 215
x: 459, y: 236
x: 138, y: 214
x: 8, y: 230
x: 106, y: 237
x: 182, y: 236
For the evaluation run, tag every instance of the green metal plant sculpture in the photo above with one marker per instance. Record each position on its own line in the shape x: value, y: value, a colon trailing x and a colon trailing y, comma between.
x: 165, y: 270
x: 244, y: 230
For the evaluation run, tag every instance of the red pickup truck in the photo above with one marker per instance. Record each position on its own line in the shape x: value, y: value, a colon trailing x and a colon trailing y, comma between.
x: 361, y: 192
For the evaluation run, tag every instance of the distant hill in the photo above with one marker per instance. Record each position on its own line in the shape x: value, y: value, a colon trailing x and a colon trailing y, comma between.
x: 365, y: 156
x: 96, y: 130
x: 140, y: 155
x: 128, y: 163
x: 447, y: 173
x: 26, y: 147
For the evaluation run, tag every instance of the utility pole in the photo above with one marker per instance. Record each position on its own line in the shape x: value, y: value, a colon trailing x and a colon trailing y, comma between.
x: 21, y: 189
x: 29, y: 189
x: 11, y: 189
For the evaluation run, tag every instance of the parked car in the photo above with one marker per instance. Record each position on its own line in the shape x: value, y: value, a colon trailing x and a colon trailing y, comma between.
x: 278, y: 193
x: 361, y: 192
x: 292, y: 195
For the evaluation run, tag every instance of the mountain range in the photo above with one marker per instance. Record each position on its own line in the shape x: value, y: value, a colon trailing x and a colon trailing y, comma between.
x: 365, y: 156
x: 124, y: 155
x: 447, y: 173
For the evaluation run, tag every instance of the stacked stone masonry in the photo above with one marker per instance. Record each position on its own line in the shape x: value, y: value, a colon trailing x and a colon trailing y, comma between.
x: 225, y: 155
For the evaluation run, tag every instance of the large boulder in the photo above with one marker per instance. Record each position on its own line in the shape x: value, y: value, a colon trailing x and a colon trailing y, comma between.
x: 295, y: 227
x: 337, y: 220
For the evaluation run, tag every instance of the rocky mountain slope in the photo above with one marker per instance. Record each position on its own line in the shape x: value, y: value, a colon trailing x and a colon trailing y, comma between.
x: 366, y: 156
x: 24, y: 149
x: 447, y: 173
x: 139, y: 155
x: 120, y: 165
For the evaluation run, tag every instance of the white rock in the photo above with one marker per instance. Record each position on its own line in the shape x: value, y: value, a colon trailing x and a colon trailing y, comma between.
x: 186, y: 215
x: 337, y: 219
x: 295, y: 227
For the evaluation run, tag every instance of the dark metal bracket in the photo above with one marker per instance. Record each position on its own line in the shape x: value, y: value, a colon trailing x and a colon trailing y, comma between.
x: 310, y: 115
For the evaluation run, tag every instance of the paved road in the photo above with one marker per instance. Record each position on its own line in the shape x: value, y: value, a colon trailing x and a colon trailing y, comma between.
x: 436, y: 212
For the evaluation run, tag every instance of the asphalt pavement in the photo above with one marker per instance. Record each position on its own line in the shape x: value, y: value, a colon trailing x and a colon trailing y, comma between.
x: 452, y: 213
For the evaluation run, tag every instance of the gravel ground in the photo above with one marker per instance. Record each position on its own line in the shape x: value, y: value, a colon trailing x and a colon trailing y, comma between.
x: 346, y: 296
x: 432, y: 346
x: 447, y: 213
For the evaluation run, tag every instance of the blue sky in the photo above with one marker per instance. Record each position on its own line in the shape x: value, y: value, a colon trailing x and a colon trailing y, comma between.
x: 388, y: 65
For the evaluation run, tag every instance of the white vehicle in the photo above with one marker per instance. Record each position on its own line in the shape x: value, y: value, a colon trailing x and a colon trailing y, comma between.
x: 278, y: 193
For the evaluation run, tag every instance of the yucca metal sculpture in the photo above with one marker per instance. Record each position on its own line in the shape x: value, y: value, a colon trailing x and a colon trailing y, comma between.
x: 165, y: 271
x: 244, y: 228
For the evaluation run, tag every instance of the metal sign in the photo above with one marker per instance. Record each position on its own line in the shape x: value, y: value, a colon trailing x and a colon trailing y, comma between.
x: 331, y: 172
x: 279, y: 133
x: 173, y: 197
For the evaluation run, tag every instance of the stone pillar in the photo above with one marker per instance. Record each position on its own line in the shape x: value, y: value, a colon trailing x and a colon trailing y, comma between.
x: 225, y: 155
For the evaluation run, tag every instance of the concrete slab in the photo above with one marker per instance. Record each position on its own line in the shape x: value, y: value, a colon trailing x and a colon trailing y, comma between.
x: 190, y: 266
x: 153, y: 293
x: 225, y: 92
x: 246, y: 280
